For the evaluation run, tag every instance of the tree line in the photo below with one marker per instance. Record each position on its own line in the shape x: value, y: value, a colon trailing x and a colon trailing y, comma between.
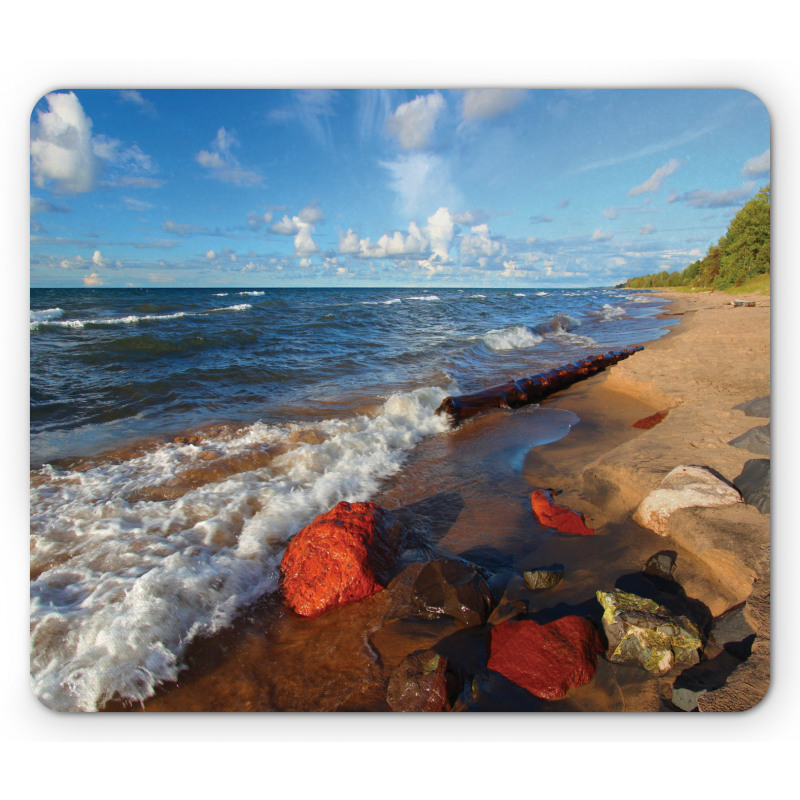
x: 740, y: 255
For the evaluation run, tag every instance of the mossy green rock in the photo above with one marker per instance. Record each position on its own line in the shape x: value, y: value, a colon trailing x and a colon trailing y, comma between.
x: 640, y: 630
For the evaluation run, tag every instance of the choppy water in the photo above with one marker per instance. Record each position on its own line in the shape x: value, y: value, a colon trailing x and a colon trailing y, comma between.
x: 180, y: 437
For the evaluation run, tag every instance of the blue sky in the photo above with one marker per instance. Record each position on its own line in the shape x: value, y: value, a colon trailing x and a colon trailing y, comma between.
x: 484, y: 187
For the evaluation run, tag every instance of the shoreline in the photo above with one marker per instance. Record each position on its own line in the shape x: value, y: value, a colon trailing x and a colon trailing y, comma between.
x: 605, y: 467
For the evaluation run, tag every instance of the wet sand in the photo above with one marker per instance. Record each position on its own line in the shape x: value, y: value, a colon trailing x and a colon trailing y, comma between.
x: 467, y: 494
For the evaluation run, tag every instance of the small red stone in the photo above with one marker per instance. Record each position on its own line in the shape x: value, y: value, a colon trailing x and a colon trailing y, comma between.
x: 344, y: 555
x: 547, y: 660
x: 649, y: 422
x: 561, y: 518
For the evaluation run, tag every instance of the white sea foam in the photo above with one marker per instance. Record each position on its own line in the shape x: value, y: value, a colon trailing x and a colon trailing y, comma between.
x: 477, y: 295
x: 514, y: 337
x: 519, y: 294
x: 424, y: 297
x: 542, y: 294
x: 608, y: 312
x: 125, y: 583
x: 221, y: 294
x: 252, y: 294
x: 381, y: 302
x: 130, y: 319
x: 44, y: 315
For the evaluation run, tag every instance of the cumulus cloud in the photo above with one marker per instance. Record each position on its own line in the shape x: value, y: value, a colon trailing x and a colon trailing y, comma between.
x: 478, y: 242
x: 394, y: 245
x: 93, y: 279
x: 705, y: 198
x: 97, y: 259
x: 645, y: 230
x: 223, y: 165
x: 602, y: 236
x: 483, y: 103
x: 288, y: 226
x: 440, y: 231
x: 61, y: 146
x: 653, y: 183
x: 610, y: 213
x: 758, y: 165
x: 301, y: 227
x: 413, y: 122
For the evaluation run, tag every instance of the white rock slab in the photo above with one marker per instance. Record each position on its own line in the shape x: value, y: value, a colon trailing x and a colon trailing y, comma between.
x: 684, y: 487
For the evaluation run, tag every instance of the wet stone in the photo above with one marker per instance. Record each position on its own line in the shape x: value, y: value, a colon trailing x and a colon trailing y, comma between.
x: 543, y: 578
x: 452, y: 589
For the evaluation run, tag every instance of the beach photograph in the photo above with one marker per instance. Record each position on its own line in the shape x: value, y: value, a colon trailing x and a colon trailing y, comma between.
x: 400, y: 400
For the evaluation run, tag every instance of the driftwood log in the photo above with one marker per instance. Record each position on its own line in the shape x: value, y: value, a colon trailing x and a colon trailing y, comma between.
x: 524, y: 391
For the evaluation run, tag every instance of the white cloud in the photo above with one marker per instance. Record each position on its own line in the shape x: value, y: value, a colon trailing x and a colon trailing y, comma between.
x: 61, y: 146
x: 135, y: 97
x: 645, y: 230
x: 422, y: 181
x: 705, y: 198
x: 302, y: 228
x: 483, y: 103
x: 653, y: 183
x: 93, y: 279
x: 610, y: 213
x: 97, y: 259
x: 388, y: 246
x: 255, y: 219
x: 181, y: 229
x: 304, y: 244
x: 601, y: 236
x: 758, y: 165
x: 288, y: 226
x: 479, y: 243
x: 311, y: 214
x: 211, y: 255
x: 413, y: 122
x: 440, y: 230
x: 223, y: 165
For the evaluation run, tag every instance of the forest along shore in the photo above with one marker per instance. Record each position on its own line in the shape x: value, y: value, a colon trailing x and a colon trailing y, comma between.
x: 468, y: 494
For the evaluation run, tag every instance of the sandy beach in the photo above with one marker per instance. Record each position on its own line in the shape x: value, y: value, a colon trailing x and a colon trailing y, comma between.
x: 468, y: 493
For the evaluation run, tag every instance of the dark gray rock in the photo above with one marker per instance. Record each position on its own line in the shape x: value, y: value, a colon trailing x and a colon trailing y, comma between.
x: 543, y: 578
x: 734, y: 631
x: 662, y: 564
x: 754, y: 483
x: 452, y: 589
x: 759, y: 407
x: 756, y: 440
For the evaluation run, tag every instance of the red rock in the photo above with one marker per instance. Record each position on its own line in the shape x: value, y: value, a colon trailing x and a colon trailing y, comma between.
x: 561, y: 518
x: 649, y: 422
x: 344, y: 555
x: 547, y: 660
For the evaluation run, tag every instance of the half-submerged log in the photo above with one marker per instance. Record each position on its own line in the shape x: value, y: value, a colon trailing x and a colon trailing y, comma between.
x: 524, y: 391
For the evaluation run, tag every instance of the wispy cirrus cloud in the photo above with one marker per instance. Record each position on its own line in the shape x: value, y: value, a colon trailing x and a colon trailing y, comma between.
x: 653, y: 183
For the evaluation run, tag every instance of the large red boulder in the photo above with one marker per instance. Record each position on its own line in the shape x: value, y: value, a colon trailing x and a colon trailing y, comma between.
x: 547, y: 660
x: 561, y: 518
x: 344, y: 555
